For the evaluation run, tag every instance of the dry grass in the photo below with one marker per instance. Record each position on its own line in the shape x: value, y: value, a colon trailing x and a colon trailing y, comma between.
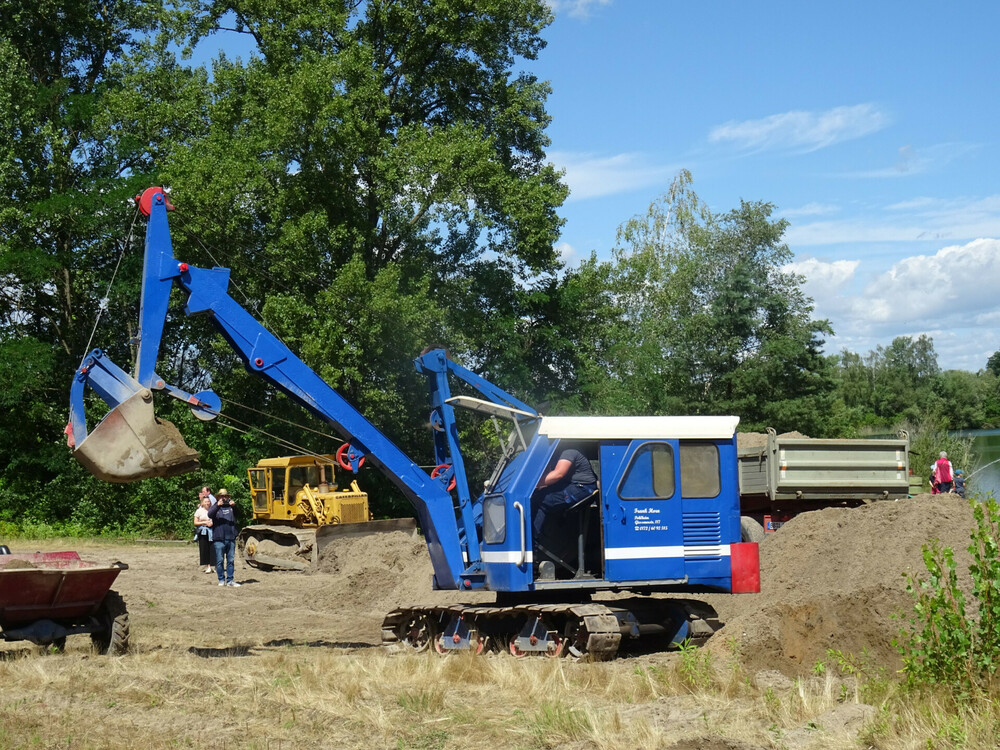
x: 298, y: 696
x: 168, y: 696
x: 185, y: 685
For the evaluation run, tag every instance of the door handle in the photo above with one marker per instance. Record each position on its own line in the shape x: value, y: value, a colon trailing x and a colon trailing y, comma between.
x: 524, y: 549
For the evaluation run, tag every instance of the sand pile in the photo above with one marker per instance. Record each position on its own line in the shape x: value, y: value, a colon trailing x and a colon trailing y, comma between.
x: 748, y: 440
x: 373, y: 574
x: 834, y: 578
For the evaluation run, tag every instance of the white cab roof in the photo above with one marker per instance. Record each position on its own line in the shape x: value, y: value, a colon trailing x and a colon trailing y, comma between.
x: 642, y: 428
x: 488, y: 407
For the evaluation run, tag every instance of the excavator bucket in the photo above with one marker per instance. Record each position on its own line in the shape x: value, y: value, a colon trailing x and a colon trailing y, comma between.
x: 130, y: 443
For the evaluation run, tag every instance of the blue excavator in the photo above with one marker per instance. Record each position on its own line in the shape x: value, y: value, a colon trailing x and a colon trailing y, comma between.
x: 662, y: 522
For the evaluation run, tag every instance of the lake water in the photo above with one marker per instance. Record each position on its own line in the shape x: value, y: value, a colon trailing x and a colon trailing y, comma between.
x: 984, y: 477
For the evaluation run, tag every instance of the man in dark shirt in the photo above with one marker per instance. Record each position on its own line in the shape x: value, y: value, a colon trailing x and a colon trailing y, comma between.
x: 223, y: 515
x: 571, y: 479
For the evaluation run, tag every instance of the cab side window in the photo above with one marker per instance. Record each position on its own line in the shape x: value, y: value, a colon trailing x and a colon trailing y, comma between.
x: 700, y: 475
x: 650, y: 474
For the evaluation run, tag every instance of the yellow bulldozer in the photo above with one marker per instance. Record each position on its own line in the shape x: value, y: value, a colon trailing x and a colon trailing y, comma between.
x: 298, y: 509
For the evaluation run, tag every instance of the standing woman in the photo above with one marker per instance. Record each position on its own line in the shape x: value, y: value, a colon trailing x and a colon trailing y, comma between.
x: 203, y: 530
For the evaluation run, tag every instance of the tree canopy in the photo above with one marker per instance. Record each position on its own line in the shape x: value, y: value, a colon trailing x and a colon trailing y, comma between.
x: 374, y: 173
x: 700, y: 316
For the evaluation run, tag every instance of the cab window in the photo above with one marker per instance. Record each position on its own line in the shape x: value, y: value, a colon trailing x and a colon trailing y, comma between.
x: 700, y: 470
x: 299, y: 477
x: 650, y: 474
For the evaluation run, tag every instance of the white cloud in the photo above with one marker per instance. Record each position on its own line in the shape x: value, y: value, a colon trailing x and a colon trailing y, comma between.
x: 566, y: 252
x: 802, y: 131
x: 855, y: 230
x: 576, y: 8
x: 949, y: 295
x: 590, y: 176
x: 811, y: 209
x: 956, y: 282
x: 824, y: 274
x: 915, y: 220
x: 913, y: 204
x: 911, y: 161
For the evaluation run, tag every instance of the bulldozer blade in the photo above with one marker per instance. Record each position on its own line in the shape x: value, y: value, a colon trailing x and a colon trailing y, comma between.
x: 130, y: 443
x: 326, y: 534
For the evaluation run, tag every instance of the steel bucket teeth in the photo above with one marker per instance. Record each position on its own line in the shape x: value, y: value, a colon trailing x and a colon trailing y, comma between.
x: 130, y: 443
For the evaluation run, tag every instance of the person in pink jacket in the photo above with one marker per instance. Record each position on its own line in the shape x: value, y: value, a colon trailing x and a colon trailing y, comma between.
x: 943, y: 473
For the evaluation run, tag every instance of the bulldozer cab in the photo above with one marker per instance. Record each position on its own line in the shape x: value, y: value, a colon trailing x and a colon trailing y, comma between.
x: 300, y: 476
x: 277, y: 486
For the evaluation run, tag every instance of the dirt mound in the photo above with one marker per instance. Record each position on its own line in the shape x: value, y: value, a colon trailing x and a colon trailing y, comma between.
x: 375, y: 573
x: 834, y: 578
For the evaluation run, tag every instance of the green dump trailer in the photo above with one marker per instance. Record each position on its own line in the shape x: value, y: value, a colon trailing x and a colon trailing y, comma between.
x: 791, y: 475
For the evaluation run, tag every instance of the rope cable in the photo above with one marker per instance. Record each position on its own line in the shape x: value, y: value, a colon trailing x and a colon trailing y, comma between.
x: 284, y: 442
x: 282, y: 419
x: 103, y: 304
x: 277, y: 441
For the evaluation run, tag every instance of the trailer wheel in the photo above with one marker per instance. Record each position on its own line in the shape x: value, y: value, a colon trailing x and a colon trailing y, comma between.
x: 750, y: 530
x: 113, y: 637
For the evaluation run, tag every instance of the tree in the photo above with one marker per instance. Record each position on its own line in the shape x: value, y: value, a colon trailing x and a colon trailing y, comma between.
x: 993, y: 363
x: 903, y: 378
x: 703, y: 318
x: 374, y: 172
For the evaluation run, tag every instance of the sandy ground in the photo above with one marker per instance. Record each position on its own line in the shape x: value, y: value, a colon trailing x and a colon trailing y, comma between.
x: 830, y: 579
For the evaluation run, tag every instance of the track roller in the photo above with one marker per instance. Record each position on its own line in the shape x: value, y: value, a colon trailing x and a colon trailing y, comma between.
x: 537, y: 636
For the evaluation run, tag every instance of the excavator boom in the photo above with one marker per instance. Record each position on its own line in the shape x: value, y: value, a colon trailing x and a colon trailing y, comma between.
x: 136, y: 445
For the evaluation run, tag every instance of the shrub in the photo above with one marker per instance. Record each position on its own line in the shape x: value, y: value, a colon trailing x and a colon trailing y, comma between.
x: 944, y: 645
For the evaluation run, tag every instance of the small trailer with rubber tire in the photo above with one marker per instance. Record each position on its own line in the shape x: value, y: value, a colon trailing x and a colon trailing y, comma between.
x: 47, y: 596
x: 791, y: 475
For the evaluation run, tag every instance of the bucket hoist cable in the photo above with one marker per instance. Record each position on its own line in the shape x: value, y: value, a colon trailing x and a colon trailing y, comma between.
x: 103, y: 304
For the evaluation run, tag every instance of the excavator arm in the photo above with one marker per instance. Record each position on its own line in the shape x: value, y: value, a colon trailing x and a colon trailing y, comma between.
x: 437, y: 367
x: 130, y: 443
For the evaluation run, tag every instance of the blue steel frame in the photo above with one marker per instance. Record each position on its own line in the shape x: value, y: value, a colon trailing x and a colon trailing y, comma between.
x: 447, y: 450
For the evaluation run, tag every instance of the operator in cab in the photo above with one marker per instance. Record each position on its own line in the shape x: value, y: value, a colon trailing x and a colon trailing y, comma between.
x: 568, y: 481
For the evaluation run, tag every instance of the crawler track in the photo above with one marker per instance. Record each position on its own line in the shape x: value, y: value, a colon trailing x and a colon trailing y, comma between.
x: 277, y: 547
x: 592, y: 630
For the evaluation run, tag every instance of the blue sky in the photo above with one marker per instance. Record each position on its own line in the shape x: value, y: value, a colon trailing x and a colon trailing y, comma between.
x: 873, y: 128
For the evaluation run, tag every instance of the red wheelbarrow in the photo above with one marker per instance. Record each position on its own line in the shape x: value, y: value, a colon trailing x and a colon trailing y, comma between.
x: 46, y: 596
